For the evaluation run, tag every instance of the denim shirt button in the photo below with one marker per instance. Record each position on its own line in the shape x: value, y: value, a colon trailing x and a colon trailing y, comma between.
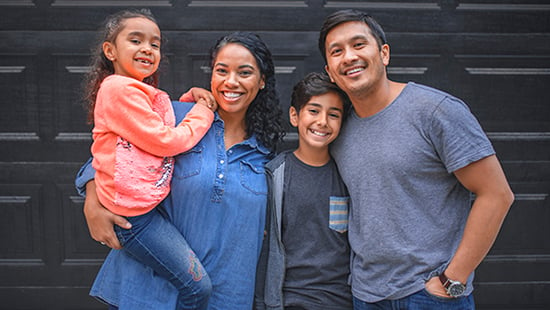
x: 220, y: 176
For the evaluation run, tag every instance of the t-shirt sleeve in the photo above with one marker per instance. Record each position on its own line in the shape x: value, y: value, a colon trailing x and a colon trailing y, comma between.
x: 457, y: 135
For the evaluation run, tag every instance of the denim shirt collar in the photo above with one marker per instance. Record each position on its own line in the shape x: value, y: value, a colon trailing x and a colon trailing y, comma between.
x: 251, y: 142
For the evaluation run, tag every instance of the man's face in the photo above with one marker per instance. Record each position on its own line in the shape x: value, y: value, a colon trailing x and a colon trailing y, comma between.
x: 354, y: 60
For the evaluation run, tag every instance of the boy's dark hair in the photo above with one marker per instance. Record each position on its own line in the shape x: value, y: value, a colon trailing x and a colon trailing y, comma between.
x: 315, y: 84
x: 350, y: 15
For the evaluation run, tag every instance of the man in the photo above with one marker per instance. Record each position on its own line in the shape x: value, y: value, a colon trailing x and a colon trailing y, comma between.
x: 410, y: 156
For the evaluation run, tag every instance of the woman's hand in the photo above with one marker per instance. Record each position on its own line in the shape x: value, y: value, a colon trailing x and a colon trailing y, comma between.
x: 100, y: 220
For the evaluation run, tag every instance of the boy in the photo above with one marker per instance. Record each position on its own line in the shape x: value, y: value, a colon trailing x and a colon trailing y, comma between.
x: 305, y: 257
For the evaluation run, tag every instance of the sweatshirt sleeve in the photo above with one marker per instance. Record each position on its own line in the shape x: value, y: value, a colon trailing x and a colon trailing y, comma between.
x: 187, y: 97
x: 125, y: 109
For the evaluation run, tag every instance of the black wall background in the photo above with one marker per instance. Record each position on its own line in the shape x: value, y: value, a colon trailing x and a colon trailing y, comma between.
x: 493, y: 54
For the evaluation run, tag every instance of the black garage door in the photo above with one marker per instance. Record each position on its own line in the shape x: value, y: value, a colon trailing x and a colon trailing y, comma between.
x: 493, y: 54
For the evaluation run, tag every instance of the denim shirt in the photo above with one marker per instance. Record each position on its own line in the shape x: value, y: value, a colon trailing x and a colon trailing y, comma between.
x: 218, y: 201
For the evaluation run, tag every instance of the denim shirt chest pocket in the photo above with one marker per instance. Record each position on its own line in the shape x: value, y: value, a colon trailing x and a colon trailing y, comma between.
x: 339, y: 213
x: 189, y: 163
x: 253, y: 177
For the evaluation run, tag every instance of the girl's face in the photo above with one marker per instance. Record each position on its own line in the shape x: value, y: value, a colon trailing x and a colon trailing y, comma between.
x: 236, y: 79
x: 135, y: 52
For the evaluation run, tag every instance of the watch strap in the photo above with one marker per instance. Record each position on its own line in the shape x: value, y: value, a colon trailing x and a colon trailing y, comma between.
x: 451, y: 286
x: 444, y: 280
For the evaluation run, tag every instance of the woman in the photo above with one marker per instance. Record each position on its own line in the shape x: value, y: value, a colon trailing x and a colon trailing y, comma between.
x: 218, y: 196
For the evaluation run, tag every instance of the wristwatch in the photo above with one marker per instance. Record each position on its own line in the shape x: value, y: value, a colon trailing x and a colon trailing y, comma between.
x: 453, y: 288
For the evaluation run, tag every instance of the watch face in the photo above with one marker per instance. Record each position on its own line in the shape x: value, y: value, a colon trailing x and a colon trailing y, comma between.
x: 456, y: 289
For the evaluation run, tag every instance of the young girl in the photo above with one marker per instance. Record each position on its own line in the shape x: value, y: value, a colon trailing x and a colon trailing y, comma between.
x: 134, y: 141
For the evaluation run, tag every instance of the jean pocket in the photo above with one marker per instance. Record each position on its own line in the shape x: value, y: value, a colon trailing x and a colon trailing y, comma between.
x: 437, y: 297
x: 121, y: 234
x: 339, y: 213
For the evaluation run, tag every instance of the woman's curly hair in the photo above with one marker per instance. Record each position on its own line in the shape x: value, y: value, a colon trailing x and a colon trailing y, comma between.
x: 264, y: 116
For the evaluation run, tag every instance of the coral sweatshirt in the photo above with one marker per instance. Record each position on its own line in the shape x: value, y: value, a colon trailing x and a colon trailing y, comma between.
x: 135, y: 141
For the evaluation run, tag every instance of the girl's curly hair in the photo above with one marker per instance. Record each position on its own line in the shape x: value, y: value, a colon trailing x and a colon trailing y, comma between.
x: 264, y: 116
x: 100, y: 66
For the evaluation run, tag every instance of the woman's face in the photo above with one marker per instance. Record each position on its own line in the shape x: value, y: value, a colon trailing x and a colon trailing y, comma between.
x: 236, y: 79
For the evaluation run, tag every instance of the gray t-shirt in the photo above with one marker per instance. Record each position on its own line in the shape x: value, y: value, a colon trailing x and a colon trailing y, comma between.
x: 408, y: 209
x: 314, y: 234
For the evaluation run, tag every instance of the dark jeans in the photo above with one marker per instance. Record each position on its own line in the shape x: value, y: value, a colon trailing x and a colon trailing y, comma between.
x: 421, y: 300
x: 155, y: 242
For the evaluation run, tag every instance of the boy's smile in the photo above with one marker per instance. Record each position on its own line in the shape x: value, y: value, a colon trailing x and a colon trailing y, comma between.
x: 318, y: 122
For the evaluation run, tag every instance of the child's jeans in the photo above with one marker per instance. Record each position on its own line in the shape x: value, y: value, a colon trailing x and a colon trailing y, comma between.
x: 155, y: 242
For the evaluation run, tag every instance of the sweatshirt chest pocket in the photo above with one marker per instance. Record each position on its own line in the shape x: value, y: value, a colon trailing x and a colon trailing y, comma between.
x: 339, y: 213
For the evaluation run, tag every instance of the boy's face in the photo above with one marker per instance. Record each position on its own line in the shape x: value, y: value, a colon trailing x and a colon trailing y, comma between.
x: 319, y: 120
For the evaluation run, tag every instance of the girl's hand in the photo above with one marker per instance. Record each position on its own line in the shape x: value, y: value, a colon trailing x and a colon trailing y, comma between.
x: 196, y: 94
x: 211, y: 106
x: 100, y: 220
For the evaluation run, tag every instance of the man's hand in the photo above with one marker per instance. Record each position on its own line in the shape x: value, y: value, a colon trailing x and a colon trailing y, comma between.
x: 100, y: 220
x: 435, y: 287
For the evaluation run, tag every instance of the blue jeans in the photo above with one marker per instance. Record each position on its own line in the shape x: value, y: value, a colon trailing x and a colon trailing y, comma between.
x: 155, y: 242
x: 421, y: 300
